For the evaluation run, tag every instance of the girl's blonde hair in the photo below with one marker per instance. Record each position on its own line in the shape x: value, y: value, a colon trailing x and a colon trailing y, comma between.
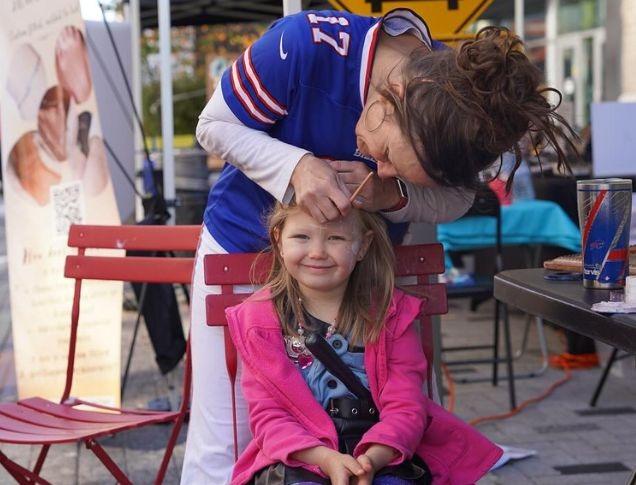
x: 368, y: 293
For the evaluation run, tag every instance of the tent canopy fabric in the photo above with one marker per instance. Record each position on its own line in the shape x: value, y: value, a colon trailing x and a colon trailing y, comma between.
x: 206, y: 12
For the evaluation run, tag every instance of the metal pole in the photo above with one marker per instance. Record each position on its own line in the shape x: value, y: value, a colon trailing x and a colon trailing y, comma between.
x: 519, y: 20
x: 167, y: 122
x: 291, y: 7
x: 551, y: 42
x: 135, y: 38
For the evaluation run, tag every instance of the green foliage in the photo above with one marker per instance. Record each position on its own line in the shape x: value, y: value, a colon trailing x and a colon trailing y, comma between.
x: 193, y: 48
x: 189, y: 94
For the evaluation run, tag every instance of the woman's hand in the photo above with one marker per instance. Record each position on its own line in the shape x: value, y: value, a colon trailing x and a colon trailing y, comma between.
x: 319, y: 190
x: 377, y: 194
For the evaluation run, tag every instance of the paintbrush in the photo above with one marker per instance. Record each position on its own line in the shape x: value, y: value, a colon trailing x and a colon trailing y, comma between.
x: 360, y: 187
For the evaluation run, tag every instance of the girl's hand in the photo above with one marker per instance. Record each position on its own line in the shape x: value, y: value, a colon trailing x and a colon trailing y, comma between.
x: 340, y: 467
x: 369, y: 471
x: 375, y: 458
x: 319, y: 190
x: 377, y: 194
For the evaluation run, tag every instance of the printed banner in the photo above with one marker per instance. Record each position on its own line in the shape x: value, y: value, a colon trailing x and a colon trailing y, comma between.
x: 55, y: 173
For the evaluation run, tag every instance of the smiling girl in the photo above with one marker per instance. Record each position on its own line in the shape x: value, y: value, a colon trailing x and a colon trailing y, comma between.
x: 335, y: 280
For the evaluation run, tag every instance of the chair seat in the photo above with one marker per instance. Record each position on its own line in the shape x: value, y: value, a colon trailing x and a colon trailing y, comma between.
x: 40, y: 421
x: 482, y: 285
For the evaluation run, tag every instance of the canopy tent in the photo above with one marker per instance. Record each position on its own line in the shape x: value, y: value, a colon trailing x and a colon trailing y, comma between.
x: 206, y: 12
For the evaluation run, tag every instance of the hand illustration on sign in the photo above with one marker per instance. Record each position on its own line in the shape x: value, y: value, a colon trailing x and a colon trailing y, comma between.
x: 71, y: 64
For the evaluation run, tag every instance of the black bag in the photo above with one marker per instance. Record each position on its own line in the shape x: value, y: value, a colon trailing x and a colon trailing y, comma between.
x: 280, y: 474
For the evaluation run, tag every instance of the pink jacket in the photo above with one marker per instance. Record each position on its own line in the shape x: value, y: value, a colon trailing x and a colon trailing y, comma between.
x: 285, y: 417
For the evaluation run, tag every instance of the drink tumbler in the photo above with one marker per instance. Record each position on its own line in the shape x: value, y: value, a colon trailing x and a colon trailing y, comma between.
x: 605, y: 209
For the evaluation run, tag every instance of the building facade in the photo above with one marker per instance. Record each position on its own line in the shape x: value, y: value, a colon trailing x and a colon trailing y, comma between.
x: 578, y: 45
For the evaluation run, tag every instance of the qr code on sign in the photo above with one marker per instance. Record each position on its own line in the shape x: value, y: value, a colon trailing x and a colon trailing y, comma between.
x: 68, y: 206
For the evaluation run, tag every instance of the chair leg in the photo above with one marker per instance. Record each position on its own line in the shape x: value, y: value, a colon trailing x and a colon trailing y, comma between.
x: 112, y: 467
x: 169, y: 448
x: 511, y: 375
x: 495, y: 346
x: 39, y: 463
x: 19, y: 473
x: 524, y: 341
x: 142, y: 300
x: 601, y: 382
x: 15, y: 470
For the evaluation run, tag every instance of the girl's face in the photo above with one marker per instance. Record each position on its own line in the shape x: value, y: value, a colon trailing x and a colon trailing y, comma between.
x: 378, y: 135
x: 321, y: 257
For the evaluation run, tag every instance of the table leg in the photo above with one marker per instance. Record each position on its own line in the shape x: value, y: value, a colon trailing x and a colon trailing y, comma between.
x: 511, y: 375
x: 601, y: 382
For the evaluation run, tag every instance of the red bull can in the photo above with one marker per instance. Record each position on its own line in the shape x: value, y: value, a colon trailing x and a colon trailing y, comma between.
x: 605, y: 209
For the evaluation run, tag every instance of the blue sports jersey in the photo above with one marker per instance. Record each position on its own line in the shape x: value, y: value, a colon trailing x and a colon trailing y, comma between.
x: 304, y: 82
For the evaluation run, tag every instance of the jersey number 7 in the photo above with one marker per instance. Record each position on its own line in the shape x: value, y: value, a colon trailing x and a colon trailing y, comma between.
x: 340, y: 45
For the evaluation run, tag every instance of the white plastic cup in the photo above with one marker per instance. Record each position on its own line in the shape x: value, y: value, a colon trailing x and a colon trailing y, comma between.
x: 630, y: 290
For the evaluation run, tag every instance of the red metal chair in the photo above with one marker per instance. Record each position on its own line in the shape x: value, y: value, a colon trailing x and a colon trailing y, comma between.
x: 37, y: 421
x: 414, y: 266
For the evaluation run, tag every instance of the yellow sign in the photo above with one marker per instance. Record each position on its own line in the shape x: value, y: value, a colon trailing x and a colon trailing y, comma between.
x: 445, y: 18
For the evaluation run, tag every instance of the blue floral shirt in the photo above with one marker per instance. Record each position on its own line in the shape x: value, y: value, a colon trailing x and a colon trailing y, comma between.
x: 323, y: 384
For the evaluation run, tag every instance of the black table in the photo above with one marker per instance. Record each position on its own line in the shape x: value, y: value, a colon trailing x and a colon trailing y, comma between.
x: 567, y: 304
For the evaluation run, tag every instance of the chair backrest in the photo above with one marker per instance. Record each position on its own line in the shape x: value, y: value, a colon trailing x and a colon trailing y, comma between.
x: 227, y: 270
x: 486, y: 203
x: 154, y: 268
x: 414, y: 265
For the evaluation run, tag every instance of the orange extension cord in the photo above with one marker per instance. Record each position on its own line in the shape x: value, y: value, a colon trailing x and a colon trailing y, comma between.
x: 518, y: 409
x: 565, y: 361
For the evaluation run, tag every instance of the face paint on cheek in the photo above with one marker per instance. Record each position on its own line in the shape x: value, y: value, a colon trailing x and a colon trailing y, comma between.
x: 355, y: 246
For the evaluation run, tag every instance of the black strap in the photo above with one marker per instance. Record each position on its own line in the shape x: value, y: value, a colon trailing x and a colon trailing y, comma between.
x: 322, y: 351
x: 349, y: 408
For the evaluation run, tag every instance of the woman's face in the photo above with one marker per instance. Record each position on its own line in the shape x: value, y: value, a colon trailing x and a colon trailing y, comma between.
x: 378, y: 135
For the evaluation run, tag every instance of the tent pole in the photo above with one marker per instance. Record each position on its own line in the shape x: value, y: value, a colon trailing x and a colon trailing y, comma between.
x: 135, y: 51
x: 519, y: 14
x: 291, y: 7
x: 167, y: 121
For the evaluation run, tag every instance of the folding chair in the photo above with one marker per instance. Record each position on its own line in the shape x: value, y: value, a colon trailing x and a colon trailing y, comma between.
x: 414, y: 265
x: 37, y: 421
x: 486, y: 205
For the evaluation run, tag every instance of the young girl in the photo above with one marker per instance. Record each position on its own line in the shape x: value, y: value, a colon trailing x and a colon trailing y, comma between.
x: 336, y: 279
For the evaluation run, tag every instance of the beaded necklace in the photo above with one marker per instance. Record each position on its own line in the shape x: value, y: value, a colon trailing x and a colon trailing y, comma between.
x: 295, y: 344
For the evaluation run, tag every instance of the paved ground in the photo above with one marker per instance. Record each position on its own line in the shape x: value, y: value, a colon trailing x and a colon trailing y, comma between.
x: 574, y: 443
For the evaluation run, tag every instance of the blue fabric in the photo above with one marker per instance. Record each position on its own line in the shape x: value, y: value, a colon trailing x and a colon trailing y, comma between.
x: 309, y: 97
x: 318, y: 377
x: 392, y: 480
x: 383, y: 480
x: 524, y: 222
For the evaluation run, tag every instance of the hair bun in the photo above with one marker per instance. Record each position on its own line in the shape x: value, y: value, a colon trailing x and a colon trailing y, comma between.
x: 503, y: 79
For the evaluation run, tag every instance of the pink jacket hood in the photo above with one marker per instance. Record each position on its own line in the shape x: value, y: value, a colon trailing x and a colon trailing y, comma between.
x: 285, y: 417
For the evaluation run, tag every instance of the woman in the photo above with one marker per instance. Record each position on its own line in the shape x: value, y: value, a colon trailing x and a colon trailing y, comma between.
x: 318, y: 101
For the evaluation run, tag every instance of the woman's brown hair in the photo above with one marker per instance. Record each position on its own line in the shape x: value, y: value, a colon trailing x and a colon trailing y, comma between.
x: 462, y: 109
x: 369, y: 291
